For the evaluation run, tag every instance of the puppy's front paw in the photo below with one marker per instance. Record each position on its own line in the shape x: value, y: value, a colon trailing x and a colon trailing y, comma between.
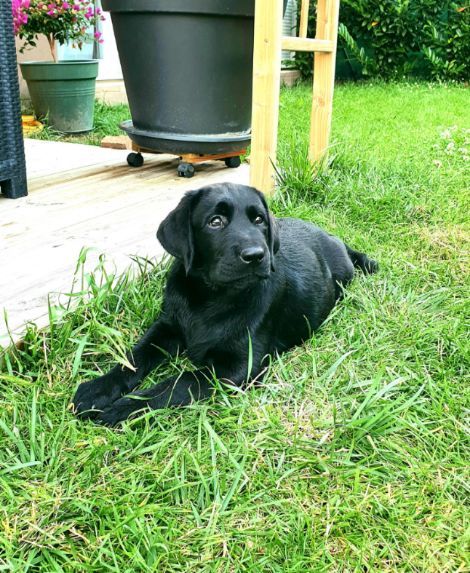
x: 121, y: 410
x: 94, y: 396
x: 372, y: 266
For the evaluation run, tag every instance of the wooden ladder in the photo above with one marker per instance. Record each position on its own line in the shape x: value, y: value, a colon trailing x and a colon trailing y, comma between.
x: 268, y: 44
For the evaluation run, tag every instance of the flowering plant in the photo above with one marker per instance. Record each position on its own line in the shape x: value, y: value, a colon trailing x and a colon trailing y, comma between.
x: 59, y: 20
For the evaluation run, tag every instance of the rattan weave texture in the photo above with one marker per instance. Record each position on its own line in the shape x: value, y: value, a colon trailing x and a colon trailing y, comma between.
x: 12, y: 160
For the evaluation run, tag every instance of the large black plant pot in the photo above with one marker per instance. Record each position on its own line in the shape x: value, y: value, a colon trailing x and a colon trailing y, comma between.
x: 187, y: 67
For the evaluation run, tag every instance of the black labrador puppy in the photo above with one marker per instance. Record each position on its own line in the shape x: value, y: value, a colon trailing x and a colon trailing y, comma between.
x: 242, y: 287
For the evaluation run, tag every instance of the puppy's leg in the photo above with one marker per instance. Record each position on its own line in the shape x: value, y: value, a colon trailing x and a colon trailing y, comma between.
x: 362, y: 261
x: 91, y: 397
x: 174, y: 391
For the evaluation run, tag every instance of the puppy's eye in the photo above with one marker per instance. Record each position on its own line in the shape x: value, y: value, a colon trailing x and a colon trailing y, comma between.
x: 258, y: 220
x: 216, y: 222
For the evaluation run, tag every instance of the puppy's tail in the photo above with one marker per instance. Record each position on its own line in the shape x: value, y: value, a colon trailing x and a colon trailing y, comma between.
x: 362, y: 261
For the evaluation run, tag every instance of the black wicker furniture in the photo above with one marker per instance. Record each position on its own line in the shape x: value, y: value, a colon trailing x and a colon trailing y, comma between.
x: 12, y: 160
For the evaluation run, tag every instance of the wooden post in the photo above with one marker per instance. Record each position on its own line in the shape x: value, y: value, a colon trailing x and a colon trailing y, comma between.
x: 323, y: 80
x: 303, y: 27
x: 266, y: 85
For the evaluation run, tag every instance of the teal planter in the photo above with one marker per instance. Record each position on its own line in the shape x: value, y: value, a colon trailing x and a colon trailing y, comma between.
x: 64, y: 92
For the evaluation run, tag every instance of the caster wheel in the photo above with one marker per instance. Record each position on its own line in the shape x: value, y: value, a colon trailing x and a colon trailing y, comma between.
x: 233, y: 162
x: 186, y: 170
x: 135, y: 159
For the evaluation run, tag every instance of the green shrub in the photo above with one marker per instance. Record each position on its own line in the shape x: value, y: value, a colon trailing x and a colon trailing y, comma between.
x: 399, y: 38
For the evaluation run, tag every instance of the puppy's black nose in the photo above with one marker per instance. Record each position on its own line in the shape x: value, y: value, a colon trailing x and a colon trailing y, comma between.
x: 252, y: 255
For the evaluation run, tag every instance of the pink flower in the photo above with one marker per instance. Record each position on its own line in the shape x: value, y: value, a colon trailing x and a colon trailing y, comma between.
x: 20, y: 17
x: 55, y: 18
x: 98, y: 37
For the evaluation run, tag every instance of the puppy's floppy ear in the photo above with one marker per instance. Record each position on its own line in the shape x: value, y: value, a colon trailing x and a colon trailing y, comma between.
x: 273, y: 238
x: 273, y: 231
x: 175, y: 232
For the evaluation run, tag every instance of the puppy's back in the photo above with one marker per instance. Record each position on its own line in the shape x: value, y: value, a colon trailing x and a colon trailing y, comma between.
x: 303, y: 243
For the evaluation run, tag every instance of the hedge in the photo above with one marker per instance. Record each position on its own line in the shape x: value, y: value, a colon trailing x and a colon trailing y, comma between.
x: 399, y: 38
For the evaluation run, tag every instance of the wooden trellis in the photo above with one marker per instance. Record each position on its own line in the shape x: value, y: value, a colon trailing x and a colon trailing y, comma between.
x: 268, y: 45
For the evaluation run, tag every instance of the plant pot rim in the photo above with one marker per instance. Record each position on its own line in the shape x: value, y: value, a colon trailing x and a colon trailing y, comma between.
x: 197, y: 7
x: 64, y: 70
x: 59, y: 63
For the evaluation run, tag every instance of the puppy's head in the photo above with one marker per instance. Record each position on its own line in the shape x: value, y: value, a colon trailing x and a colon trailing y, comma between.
x: 223, y: 233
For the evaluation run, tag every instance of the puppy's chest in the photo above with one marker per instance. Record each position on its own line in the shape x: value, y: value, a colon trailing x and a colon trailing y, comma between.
x: 213, y: 325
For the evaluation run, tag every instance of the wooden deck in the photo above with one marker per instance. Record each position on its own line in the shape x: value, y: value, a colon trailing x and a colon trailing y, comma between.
x: 83, y: 197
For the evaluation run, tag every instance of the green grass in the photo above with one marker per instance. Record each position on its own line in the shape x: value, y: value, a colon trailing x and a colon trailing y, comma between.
x: 352, y: 457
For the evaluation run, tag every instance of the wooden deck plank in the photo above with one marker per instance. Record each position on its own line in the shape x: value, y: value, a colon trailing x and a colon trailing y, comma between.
x: 83, y: 198
x: 46, y: 158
